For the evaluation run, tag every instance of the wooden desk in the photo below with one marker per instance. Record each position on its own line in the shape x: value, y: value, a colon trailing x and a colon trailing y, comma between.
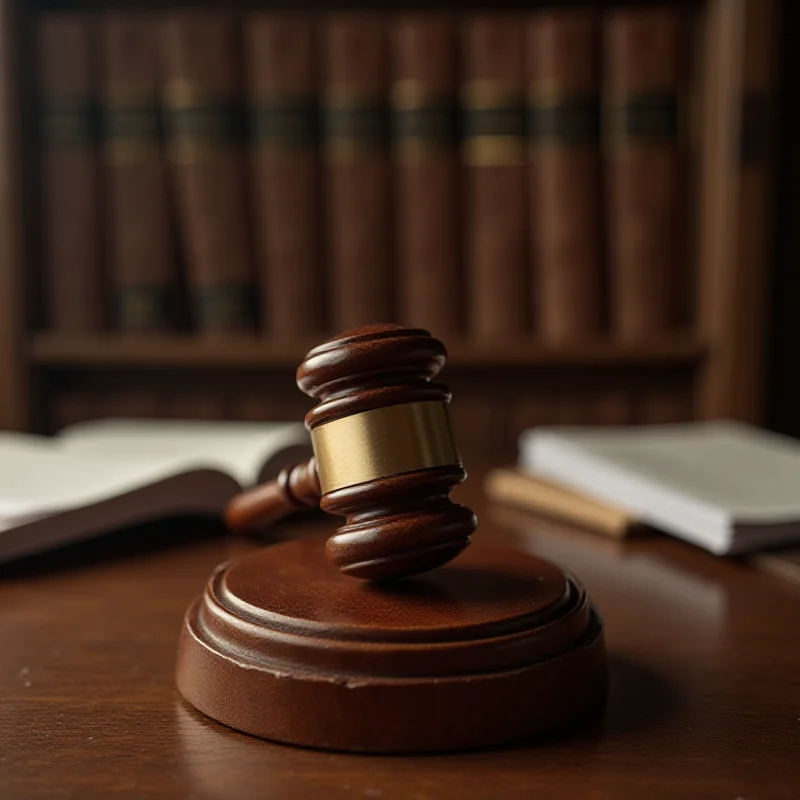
x: 704, y: 703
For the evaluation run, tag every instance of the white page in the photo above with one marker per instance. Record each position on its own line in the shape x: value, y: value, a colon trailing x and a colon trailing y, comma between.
x: 32, y: 441
x: 237, y: 448
x: 749, y: 475
x: 36, y: 481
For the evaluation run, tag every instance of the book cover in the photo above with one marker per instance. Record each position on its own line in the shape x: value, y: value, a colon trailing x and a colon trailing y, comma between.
x: 564, y: 72
x: 495, y: 176
x: 97, y: 477
x: 722, y: 485
x: 424, y: 101
x: 644, y: 63
x: 204, y: 115
x: 355, y: 125
x: 281, y: 57
x: 518, y: 489
x: 66, y: 56
x: 141, y: 257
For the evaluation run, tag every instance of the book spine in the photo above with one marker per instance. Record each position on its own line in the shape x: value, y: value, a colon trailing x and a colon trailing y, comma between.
x: 608, y: 407
x: 129, y: 402
x: 356, y: 154
x: 72, y: 405
x: 530, y: 409
x: 494, y: 154
x: 72, y: 270
x: 660, y: 405
x: 204, y: 117
x: 517, y: 489
x: 283, y: 125
x: 564, y: 131
x: 570, y: 406
x: 143, y: 280
x: 644, y: 61
x: 189, y: 403
x: 424, y: 119
x: 268, y: 405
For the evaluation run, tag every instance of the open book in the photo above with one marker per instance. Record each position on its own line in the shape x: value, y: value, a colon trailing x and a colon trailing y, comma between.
x: 725, y: 486
x: 101, y: 475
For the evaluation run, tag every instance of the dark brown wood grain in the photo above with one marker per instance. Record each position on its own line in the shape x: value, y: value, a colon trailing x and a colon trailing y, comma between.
x: 401, y: 524
x: 296, y: 488
x: 396, y: 525
x: 703, y: 658
x: 492, y: 648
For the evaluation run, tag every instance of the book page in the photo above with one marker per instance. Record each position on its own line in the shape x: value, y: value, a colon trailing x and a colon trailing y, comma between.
x: 37, y: 481
x: 238, y: 448
x: 752, y: 475
x: 30, y: 441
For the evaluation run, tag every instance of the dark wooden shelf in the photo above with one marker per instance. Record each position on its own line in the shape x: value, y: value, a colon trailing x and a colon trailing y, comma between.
x: 114, y: 350
x: 330, y: 5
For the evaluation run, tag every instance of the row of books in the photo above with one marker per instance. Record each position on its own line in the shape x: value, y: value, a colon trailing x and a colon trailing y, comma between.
x: 491, y: 175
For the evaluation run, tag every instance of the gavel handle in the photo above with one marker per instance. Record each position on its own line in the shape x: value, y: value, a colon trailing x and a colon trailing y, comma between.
x: 294, y: 489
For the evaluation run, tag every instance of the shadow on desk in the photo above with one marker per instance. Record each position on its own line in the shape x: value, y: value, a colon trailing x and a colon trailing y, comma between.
x: 149, y: 538
x: 637, y: 700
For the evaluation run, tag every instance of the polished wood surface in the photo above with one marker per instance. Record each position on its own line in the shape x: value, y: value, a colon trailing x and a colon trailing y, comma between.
x: 399, y: 517
x: 704, y: 659
x: 296, y: 488
x: 398, y: 520
x: 495, y: 647
x: 282, y: 645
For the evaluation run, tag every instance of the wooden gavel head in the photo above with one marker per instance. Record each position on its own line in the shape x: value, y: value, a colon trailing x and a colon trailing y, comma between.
x: 384, y: 453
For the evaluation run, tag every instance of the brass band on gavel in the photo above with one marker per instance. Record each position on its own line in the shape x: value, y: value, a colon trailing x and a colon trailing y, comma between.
x: 383, y: 442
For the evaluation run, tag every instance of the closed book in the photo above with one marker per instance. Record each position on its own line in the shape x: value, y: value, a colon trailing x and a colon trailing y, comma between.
x: 143, y: 277
x: 564, y: 62
x: 516, y: 488
x: 282, y: 84
x: 495, y: 175
x: 724, y: 486
x: 204, y: 116
x: 357, y: 167
x: 424, y: 101
x: 644, y: 59
x: 73, y: 290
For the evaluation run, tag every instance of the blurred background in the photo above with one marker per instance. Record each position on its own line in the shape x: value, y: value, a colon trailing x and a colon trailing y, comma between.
x: 591, y: 204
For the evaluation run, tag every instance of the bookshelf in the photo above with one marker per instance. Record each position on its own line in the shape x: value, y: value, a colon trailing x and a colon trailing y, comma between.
x: 185, y: 351
x: 718, y: 361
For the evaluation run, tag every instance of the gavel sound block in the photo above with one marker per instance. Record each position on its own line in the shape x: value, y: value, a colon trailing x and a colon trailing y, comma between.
x: 441, y: 645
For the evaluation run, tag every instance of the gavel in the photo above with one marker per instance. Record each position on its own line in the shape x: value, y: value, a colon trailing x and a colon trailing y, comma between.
x: 384, y: 456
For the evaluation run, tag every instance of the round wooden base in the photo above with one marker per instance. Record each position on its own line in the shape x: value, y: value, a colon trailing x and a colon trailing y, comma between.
x: 491, y: 648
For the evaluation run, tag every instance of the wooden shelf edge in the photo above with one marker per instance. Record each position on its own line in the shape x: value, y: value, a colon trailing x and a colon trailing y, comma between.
x: 110, y: 350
